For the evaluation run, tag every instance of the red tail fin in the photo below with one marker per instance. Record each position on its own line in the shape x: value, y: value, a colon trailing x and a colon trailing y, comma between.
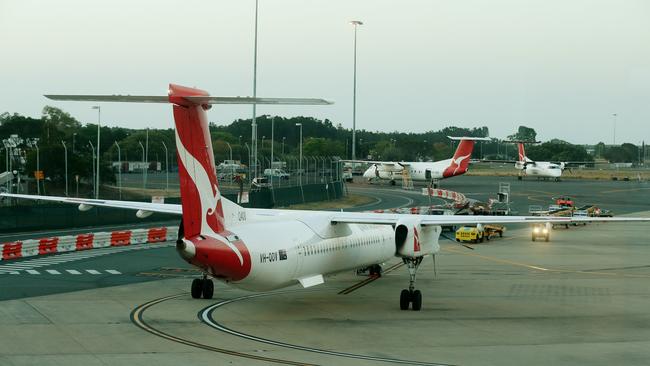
x: 460, y: 161
x: 522, y: 153
x: 200, y: 196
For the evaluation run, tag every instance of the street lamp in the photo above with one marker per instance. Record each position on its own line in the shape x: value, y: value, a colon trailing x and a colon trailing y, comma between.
x: 65, y: 149
x: 99, y: 123
x: 249, y: 159
x: 144, y: 182
x: 33, y: 142
x: 356, y: 24
x: 300, y: 163
x: 283, y: 138
x: 73, y: 138
x: 93, y: 166
x: 615, y: 115
x: 272, y: 135
x: 254, y: 121
x: 119, y: 169
x: 263, y: 137
x: 167, y: 166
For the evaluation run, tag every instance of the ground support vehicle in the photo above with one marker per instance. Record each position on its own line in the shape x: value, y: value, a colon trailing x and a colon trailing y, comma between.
x: 541, y: 231
x: 478, y: 233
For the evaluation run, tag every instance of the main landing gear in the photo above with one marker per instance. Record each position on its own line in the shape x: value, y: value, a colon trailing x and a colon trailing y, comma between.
x: 411, y: 296
x: 202, y: 286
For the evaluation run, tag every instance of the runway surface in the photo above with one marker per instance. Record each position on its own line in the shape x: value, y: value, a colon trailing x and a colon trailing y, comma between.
x: 580, y: 299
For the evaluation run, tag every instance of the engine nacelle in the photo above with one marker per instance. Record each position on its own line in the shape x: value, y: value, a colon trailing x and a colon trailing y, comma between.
x: 414, y: 240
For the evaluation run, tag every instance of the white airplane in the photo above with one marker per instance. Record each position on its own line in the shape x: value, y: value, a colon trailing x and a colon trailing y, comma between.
x: 540, y: 169
x: 265, y: 249
x: 424, y: 171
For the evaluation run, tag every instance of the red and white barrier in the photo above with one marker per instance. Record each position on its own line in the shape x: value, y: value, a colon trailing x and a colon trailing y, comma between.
x: 71, y: 243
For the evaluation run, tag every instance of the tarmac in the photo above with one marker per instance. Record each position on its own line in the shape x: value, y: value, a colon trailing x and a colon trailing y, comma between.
x: 581, y: 298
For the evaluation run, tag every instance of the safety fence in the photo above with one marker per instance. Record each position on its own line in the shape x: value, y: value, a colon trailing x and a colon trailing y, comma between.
x: 72, y: 243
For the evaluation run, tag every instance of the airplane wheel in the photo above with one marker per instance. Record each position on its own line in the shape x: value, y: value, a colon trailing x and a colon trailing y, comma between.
x: 533, y: 237
x: 208, y: 288
x: 547, y: 238
x: 392, y: 182
x: 197, y: 287
x: 417, y: 300
x: 404, y: 299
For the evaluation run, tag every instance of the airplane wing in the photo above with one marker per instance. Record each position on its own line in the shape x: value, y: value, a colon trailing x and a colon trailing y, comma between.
x: 130, y: 205
x: 392, y: 219
x: 384, y: 163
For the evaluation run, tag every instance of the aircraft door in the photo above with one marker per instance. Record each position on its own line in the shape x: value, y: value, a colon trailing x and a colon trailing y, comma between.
x: 427, y: 174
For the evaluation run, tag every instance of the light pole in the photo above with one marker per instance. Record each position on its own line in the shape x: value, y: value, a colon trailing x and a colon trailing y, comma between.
x: 99, y: 124
x: 167, y: 166
x: 615, y: 115
x: 230, y: 147
x: 254, y: 121
x: 249, y: 159
x: 119, y: 169
x: 300, y: 164
x: 356, y: 24
x: 33, y: 142
x: 93, y: 168
x: 263, y: 137
x: 283, y: 138
x: 272, y: 135
x: 73, y: 138
x: 65, y: 149
x: 144, y: 181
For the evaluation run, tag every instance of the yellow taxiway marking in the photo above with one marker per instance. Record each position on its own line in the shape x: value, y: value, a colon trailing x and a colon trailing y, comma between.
x: 626, y: 190
x: 544, y: 269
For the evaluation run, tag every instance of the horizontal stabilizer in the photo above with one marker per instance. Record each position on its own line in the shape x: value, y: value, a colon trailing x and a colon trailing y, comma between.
x: 200, y: 99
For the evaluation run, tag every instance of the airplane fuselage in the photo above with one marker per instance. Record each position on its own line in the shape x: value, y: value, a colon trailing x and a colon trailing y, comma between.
x: 418, y: 171
x: 541, y: 169
x: 280, y: 250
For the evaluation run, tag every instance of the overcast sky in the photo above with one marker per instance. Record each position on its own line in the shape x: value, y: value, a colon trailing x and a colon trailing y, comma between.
x: 561, y: 67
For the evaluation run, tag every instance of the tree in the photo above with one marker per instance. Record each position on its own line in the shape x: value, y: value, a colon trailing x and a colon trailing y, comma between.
x: 523, y: 134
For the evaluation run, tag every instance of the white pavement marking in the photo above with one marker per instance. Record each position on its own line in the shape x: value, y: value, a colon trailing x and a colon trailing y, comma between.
x: 112, y: 271
x: 73, y: 271
x: 93, y: 271
x: 32, y: 271
x: 14, y: 272
x: 53, y: 271
x: 10, y: 266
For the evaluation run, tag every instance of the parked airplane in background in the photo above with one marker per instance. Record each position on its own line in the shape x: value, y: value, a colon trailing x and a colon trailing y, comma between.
x: 540, y: 169
x: 264, y: 249
x: 424, y: 171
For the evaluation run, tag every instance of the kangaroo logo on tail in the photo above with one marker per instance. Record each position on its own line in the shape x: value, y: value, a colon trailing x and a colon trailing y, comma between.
x: 460, y: 161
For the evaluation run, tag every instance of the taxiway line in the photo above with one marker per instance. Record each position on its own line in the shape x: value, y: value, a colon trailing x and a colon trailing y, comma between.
x: 544, y: 269
x: 137, y: 319
x: 206, y: 316
x: 369, y: 279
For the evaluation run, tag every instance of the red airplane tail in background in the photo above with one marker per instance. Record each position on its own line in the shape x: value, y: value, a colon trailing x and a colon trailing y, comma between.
x: 460, y: 161
x: 522, y: 152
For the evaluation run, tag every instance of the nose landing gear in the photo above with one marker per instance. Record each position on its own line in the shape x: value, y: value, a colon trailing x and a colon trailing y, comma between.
x: 411, y: 296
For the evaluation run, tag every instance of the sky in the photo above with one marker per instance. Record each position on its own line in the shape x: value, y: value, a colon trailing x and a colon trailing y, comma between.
x: 561, y: 67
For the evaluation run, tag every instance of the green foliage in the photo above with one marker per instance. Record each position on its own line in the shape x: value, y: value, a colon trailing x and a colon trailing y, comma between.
x: 626, y: 153
x: 523, y: 134
x: 317, y: 146
x: 558, y: 151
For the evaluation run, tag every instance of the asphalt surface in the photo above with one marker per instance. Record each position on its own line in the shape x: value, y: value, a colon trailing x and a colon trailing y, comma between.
x: 580, y: 299
x: 158, y: 263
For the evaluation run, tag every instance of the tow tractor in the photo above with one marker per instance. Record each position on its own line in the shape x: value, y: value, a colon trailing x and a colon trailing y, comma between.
x: 478, y: 233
